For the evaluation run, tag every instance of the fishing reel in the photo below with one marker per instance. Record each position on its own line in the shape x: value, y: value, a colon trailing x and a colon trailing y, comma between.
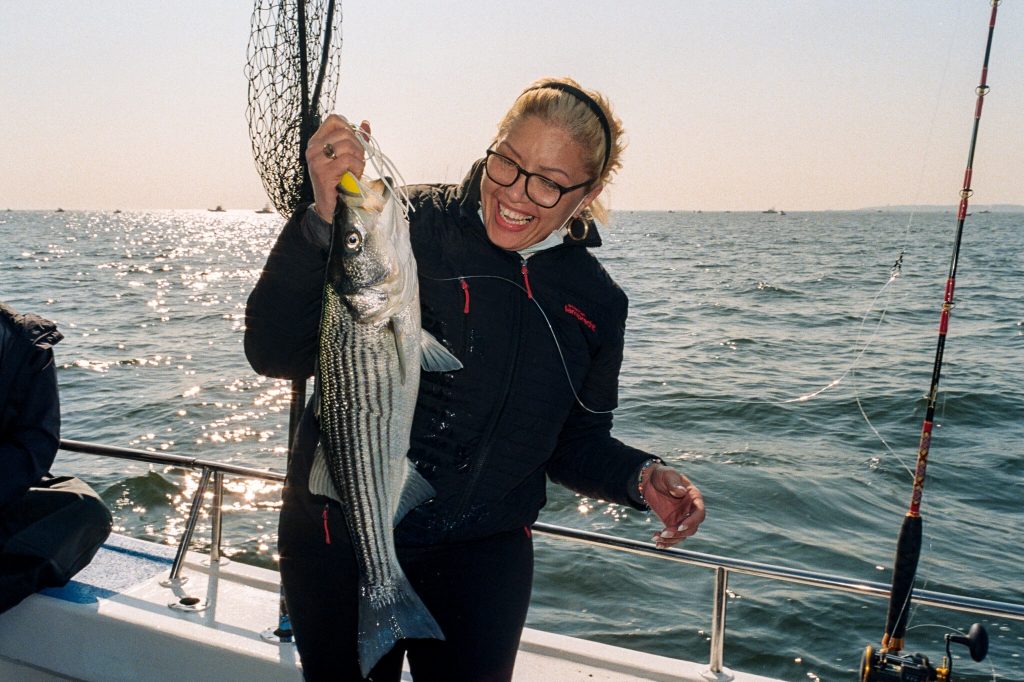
x: 882, y: 666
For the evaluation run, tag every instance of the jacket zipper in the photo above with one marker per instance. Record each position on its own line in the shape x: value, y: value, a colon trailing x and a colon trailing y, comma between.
x: 525, y: 272
x: 465, y: 291
x: 327, y: 531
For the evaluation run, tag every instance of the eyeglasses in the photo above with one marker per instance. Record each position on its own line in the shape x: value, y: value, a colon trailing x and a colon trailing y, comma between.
x: 540, y: 190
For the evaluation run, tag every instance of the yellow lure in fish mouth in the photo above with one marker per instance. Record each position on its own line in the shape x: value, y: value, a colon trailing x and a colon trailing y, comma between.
x: 349, y: 185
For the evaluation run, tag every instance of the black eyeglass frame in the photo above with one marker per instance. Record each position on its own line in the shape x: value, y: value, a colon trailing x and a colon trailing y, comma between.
x: 563, y: 190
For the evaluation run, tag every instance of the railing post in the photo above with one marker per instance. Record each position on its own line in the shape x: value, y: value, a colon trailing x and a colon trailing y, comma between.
x: 718, y: 619
x: 217, y: 516
x: 193, y: 516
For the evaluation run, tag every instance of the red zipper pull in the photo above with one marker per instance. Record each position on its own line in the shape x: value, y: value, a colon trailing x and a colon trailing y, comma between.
x: 465, y: 290
x: 327, y: 531
x: 526, y: 280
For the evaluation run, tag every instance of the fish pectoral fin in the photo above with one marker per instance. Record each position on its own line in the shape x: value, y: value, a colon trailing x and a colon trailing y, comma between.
x: 434, y: 357
x: 415, y: 492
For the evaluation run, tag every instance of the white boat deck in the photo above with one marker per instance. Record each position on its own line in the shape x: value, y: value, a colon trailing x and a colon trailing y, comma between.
x: 113, y: 622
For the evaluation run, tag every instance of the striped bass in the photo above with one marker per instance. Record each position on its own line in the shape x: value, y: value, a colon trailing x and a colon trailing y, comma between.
x: 371, y: 347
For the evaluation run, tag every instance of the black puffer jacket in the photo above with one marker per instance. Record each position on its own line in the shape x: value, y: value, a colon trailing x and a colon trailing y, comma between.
x: 485, y: 435
x: 29, y: 402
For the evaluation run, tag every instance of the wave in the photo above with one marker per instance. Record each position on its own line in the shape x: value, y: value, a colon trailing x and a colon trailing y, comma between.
x: 141, y: 492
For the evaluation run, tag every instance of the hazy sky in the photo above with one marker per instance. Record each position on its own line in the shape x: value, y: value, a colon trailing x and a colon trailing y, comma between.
x: 738, y: 105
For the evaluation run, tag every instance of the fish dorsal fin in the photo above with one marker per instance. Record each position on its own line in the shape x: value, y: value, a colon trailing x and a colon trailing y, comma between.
x: 416, y: 491
x: 434, y: 357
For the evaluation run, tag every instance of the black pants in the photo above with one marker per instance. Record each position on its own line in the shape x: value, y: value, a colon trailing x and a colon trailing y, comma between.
x: 48, y: 535
x: 478, y: 592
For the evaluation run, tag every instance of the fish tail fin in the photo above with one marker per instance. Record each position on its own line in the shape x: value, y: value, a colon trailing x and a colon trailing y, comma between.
x: 387, y: 615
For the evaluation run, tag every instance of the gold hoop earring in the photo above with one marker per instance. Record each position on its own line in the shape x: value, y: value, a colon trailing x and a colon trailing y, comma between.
x: 582, y: 225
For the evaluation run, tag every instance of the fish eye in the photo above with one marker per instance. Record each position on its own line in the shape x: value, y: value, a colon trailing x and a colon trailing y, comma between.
x: 353, y: 240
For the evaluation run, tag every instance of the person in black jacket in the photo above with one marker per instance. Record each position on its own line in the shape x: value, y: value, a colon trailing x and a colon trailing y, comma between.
x: 30, y: 420
x: 509, y: 285
x: 50, y: 526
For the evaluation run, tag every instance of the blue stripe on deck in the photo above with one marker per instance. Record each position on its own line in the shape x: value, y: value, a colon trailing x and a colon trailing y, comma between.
x: 120, y: 563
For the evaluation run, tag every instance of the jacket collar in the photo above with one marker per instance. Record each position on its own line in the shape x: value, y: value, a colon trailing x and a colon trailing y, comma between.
x: 468, y: 196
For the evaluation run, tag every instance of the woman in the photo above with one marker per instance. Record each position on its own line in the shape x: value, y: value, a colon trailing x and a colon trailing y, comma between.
x: 504, y: 266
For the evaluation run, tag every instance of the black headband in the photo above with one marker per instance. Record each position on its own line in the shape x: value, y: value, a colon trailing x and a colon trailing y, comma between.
x: 592, y: 105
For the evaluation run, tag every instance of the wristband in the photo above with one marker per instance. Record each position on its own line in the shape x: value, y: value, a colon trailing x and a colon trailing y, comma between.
x: 640, y: 478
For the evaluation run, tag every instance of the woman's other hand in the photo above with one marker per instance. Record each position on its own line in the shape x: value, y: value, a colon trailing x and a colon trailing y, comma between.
x: 676, y: 501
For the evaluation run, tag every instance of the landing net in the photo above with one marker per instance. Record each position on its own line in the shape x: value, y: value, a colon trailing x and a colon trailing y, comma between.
x: 294, y: 59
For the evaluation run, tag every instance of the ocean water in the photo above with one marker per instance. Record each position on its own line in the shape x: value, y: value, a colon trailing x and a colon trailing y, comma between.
x: 773, y: 358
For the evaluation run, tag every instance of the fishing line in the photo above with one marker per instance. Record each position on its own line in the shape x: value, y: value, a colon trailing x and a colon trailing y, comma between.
x: 750, y: 401
x: 895, y: 273
x: 947, y: 628
x: 384, y: 167
x: 898, y: 266
x: 547, y: 321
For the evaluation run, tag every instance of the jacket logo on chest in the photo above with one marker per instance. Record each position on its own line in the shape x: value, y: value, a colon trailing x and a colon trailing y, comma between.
x: 579, y: 315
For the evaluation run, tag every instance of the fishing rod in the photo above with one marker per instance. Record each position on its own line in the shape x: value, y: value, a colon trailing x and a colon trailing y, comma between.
x: 888, y: 663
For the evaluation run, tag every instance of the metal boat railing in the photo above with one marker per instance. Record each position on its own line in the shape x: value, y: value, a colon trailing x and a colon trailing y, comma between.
x: 722, y: 566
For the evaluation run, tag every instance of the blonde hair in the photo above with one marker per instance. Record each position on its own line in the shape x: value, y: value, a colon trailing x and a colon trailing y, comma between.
x: 574, y: 115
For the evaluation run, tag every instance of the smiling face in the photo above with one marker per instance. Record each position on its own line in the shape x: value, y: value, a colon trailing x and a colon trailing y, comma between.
x: 514, y: 222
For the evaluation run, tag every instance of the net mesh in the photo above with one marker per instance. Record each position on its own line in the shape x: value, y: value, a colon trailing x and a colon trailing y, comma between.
x: 294, y: 59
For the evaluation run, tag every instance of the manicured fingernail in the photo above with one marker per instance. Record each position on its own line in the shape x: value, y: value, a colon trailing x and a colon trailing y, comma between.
x: 682, y: 526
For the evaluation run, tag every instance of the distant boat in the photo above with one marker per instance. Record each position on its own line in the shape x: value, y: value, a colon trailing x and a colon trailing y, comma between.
x: 782, y: 212
x: 117, y: 210
x: 770, y: 210
x: 59, y: 210
x: 219, y: 209
x: 267, y: 208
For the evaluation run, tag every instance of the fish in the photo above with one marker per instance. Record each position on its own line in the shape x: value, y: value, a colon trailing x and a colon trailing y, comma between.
x: 371, y: 350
